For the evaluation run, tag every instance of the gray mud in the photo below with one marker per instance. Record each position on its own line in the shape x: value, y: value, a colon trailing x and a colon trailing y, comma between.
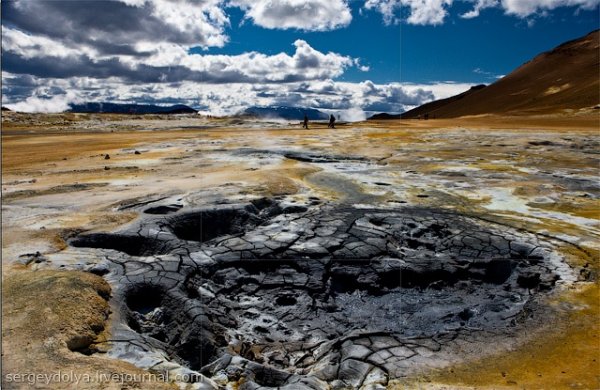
x: 275, y: 294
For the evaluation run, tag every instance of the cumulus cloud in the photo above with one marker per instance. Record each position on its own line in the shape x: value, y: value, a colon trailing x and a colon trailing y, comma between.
x: 422, y: 12
x: 30, y: 93
x: 528, y: 8
x: 479, y: 5
x: 142, y: 41
x: 28, y: 46
x: 387, y: 8
x: 37, y: 55
x: 434, y: 12
x: 139, y: 51
x: 115, y: 27
x: 312, y: 15
x: 440, y: 90
x: 361, y: 67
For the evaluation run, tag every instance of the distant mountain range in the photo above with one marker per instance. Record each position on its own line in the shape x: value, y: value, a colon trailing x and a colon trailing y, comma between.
x: 114, y: 108
x: 285, y: 112
x: 565, y: 77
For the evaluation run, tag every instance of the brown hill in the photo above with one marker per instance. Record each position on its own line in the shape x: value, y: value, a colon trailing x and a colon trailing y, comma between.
x: 432, y: 107
x: 567, y: 77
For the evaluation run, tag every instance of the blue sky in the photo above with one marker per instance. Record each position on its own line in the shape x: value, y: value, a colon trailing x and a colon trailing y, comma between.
x: 219, y: 56
x: 494, y: 43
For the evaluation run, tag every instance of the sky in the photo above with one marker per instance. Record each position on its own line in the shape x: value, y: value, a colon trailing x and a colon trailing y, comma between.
x: 351, y: 57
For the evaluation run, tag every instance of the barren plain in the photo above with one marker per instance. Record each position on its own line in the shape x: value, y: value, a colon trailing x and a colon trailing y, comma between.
x: 230, y: 253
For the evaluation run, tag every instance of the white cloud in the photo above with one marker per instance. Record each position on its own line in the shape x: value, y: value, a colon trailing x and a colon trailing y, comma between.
x: 348, y: 99
x: 29, y: 46
x: 134, y: 3
x: 141, y: 41
x: 434, y: 12
x: 425, y: 12
x: 139, y: 51
x: 440, y: 90
x: 362, y: 68
x: 526, y: 8
x: 305, y: 64
x: 168, y: 62
x: 112, y: 27
x: 204, y: 19
x: 387, y: 8
x: 479, y: 5
x: 310, y: 15
x: 422, y: 12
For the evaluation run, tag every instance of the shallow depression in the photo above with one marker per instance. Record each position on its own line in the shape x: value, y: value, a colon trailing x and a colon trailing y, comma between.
x: 265, y: 293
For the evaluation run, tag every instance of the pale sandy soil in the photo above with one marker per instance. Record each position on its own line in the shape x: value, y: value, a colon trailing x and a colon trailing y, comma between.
x: 533, y: 173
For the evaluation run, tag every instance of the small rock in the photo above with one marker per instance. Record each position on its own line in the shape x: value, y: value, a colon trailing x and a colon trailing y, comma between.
x: 99, y: 269
x: 137, y: 152
x: 79, y: 342
x: 107, y: 157
x: 29, y: 258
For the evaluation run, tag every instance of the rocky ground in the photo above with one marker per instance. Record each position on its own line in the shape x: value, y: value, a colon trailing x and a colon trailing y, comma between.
x: 229, y: 254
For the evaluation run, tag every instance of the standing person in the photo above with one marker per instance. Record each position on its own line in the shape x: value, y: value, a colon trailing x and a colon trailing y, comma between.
x: 305, y: 123
x: 331, y: 122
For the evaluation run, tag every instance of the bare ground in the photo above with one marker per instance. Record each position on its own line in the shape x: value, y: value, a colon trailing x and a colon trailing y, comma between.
x: 55, y: 185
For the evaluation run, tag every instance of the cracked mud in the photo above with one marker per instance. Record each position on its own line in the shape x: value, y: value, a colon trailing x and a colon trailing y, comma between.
x: 304, y: 295
x: 355, y: 259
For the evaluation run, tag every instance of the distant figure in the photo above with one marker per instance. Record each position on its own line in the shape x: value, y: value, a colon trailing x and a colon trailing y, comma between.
x: 331, y: 124
x: 305, y: 123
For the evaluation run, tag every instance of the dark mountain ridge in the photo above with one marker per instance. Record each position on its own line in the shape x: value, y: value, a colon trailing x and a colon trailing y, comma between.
x: 115, y: 108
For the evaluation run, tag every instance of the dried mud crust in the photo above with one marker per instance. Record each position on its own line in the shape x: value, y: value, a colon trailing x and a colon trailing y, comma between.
x: 270, y: 295
x: 52, y: 322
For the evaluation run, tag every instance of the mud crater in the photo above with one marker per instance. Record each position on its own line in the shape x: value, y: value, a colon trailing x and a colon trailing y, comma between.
x: 322, y: 294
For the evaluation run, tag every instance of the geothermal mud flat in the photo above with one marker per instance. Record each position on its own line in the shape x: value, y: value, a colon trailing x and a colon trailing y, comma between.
x: 357, y: 257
